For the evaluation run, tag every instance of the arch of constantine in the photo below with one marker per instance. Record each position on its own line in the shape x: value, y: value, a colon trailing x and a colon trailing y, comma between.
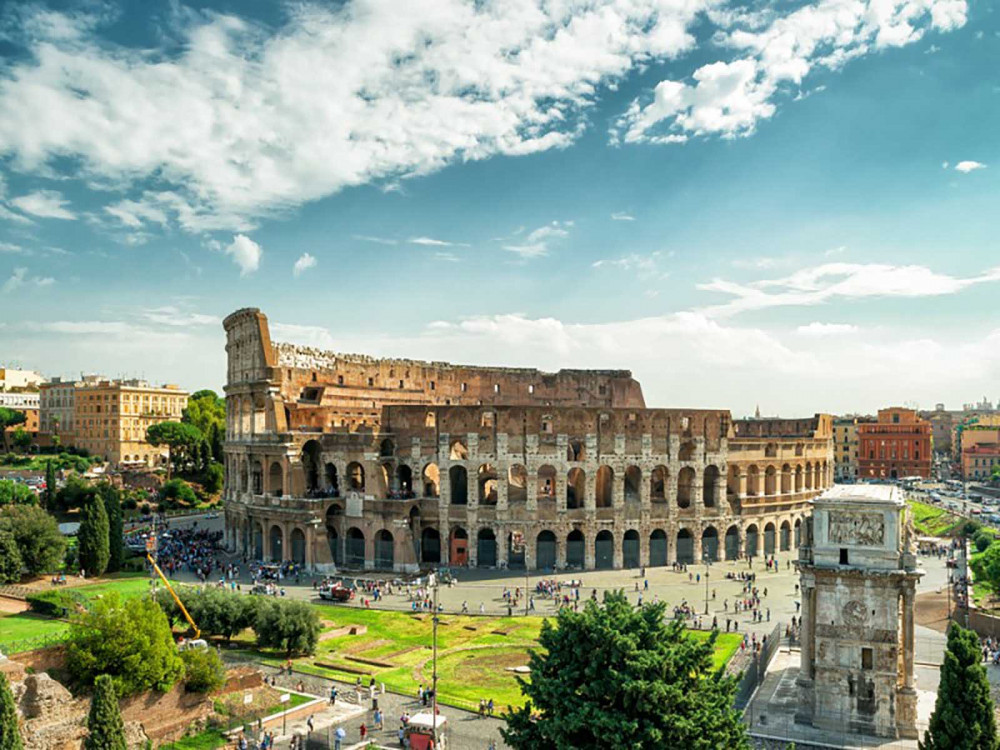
x: 347, y: 460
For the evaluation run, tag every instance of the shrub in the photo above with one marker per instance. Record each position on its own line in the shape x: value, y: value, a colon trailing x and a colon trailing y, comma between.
x: 203, y: 670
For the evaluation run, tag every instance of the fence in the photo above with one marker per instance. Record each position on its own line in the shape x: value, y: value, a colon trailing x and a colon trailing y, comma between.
x: 753, y: 675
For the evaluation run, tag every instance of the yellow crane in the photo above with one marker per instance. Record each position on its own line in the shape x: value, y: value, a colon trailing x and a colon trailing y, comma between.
x: 187, y: 616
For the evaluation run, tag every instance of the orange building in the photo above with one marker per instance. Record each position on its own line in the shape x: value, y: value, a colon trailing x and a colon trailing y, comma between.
x: 897, y: 445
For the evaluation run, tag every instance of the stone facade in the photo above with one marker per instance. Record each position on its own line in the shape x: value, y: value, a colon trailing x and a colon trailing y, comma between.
x: 337, y: 459
x: 858, y: 576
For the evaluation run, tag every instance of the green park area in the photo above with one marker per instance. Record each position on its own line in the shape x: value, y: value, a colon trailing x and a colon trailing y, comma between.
x: 475, y: 654
x: 932, y: 520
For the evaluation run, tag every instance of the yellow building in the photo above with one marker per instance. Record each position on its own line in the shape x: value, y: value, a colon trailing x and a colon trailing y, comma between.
x: 111, y: 418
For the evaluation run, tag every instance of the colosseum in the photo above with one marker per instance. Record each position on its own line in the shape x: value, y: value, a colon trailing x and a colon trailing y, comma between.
x: 347, y: 461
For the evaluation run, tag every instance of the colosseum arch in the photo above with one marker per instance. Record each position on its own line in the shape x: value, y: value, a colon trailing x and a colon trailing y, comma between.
x: 685, y: 487
x: 458, y: 451
x: 658, y: 484
x: 546, y: 482
x: 432, y: 480
x: 604, y: 487
x: 710, y: 488
x: 633, y: 484
x: 458, y: 478
x: 487, y: 483
x: 517, y: 484
x: 576, y: 488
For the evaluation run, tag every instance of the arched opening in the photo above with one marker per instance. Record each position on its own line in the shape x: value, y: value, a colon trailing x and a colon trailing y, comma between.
x: 386, y: 449
x: 575, y: 549
x: 770, y: 481
x: 604, y: 487
x: 710, y: 488
x: 515, y: 553
x: 354, y: 555
x: 430, y: 546
x: 753, y: 481
x: 769, y: 540
x: 277, y: 538
x: 432, y: 480
x: 545, y: 550
x: 575, y: 451
x: 517, y: 484
x: 332, y: 480
x: 546, y: 482
x: 685, y: 487
x: 487, y: 485
x: 458, y: 478
x: 258, y: 541
x: 710, y: 544
x: 658, y: 484
x: 486, y: 548
x: 752, y: 543
x: 633, y: 482
x: 404, y: 480
x: 356, y: 476
x: 785, y: 539
x: 604, y: 550
x: 458, y: 451
x: 786, y: 479
x: 686, y: 452
x: 658, y: 548
x: 732, y: 543
x: 298, y: 546
x: 384, y: 554
x: 630, y: 549
x: 576, y: 486
x: 685, y: 547
x: 459, y: 551
x: 311, y: 465
x: 276, y: 479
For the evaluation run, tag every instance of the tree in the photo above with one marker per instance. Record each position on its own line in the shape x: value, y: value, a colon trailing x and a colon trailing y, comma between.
x: 15, y: 493
x: 49, y: 496
x: 21, y: 440
x: 615, y: 676
x: 203, y: 670
x: 290, y: 626
x: 93, y: 547
x: 39, y: 541
x: 9, y: 418
x: 181, y: 439
x: 10, y: 736
x: 963, y: 713
x: 112, y: 498
x: 130, y: 640
x: 11, y: 564
x: 106, y: 730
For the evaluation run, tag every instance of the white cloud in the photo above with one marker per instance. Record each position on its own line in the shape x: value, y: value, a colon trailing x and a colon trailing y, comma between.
x: 536, y: 244
x: 45, y: 204
x: 969, y: 166
x: 304, y: 263
x: 245, y: 253
x: 229, y: 122
x: 819, y: 284
x: 826, y: 329
x: 730, y: 97
x: 622, y: 216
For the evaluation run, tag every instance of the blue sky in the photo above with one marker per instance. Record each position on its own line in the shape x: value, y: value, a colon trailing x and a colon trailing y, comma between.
x: 791, y: 204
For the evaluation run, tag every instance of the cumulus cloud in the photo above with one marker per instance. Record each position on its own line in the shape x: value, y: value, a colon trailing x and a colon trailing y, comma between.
x: 238, y: 121
x: 537, y: 243
x: 45, y: 204
x: 819, y: 284
x: 304, y: 263
x: 245, y: 253
x: 730, y: 97
x: 969, y: 166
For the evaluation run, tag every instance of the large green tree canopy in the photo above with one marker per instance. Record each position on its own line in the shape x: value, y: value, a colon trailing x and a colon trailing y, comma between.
x: 617, y: 676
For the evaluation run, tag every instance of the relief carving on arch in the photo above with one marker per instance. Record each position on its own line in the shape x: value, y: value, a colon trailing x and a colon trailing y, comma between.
x: 855, y: 527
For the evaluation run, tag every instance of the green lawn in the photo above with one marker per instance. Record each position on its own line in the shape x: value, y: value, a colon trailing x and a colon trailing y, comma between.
x: 932, y: 520
x: 472, y: 663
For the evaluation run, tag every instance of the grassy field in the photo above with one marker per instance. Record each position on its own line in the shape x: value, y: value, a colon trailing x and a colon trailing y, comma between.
x: 932, y: 520
x: 474, y: 653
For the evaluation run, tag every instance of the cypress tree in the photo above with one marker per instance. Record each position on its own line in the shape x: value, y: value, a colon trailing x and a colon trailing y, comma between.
x: 963, y: 714
x: 116, y: 542
x: 105, y: 726
x: 10, y: 737
x: 93, y: 545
